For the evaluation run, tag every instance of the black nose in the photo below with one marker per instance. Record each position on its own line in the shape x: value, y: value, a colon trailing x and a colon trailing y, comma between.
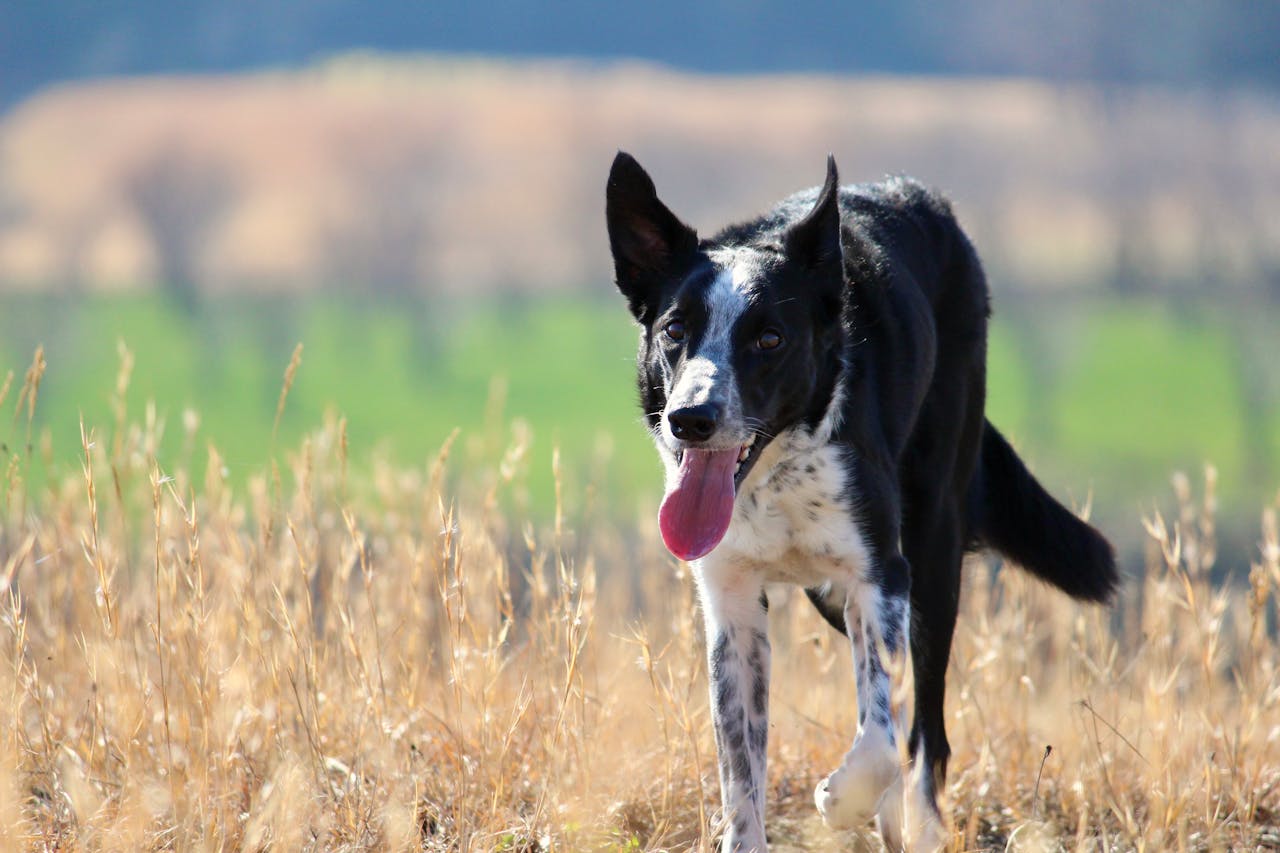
x: 694, y: 423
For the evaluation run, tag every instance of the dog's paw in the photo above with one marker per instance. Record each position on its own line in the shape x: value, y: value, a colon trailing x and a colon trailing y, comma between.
x: 743, y: 833
x: 928, y: 836
x: 889, y: 819
x: 853, y: 794
x: 922, y: 824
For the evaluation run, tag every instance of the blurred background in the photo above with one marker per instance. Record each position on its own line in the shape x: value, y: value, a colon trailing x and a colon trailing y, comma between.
x: 415, y: 193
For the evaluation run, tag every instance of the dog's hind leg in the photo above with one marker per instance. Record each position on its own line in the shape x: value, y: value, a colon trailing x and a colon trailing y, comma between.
x: 936, y: 552
x: 877, y: 618
x: 738, y: 654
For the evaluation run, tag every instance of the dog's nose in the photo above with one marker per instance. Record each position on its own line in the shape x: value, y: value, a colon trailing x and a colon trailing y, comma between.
x: 694, y: 423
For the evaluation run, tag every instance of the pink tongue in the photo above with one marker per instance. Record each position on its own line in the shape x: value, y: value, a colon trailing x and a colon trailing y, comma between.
x: 696, y: 512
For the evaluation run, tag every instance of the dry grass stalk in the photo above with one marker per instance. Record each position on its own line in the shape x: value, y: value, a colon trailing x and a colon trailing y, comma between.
x: 4, y: 386
x: 286, y: 667
x: 289, y: 373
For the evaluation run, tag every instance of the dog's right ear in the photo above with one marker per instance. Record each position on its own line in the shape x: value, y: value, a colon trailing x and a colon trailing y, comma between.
x: 647, y: 239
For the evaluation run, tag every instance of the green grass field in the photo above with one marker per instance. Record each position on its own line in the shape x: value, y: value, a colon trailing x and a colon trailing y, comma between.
x: 1105, y: 397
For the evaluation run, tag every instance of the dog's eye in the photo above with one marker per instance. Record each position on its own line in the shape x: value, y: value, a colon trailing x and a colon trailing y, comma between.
x: 769, y: 339
x: 675, y: 330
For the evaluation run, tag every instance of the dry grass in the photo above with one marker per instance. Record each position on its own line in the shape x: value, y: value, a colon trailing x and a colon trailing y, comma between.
x: 395, y: 661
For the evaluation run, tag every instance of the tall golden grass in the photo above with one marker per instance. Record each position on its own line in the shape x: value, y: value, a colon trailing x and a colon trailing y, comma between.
x: 396, y: 660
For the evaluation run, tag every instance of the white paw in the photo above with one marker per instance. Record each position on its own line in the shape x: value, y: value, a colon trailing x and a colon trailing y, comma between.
x: 932, y: 838
x: 889, y: 819
x: 744, y: 834
x: 852, y: 795
x: 921, y: 821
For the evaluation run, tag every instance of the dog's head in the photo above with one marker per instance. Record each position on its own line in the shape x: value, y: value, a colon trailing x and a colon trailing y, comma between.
x: 740, y: 339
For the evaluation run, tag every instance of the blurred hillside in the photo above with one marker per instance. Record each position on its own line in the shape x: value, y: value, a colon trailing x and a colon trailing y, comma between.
x: 419, y: 176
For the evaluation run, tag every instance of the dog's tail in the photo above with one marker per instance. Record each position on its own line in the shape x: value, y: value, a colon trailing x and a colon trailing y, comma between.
x: 1012, y: 513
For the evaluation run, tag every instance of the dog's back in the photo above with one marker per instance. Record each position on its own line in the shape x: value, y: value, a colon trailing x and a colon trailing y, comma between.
x: 1007, y: 510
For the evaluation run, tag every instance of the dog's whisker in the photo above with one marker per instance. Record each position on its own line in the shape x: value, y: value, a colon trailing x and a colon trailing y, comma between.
x: 758, y: 427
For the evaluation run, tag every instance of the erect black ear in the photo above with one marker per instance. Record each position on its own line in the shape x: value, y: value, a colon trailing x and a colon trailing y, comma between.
x: 815, y: 240
x: 646, y: 238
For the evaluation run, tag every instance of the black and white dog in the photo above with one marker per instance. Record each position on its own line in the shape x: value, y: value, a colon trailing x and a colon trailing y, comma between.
x: 814, y: 380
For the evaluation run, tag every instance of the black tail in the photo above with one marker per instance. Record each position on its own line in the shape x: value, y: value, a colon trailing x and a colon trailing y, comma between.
x: 1013, y: 514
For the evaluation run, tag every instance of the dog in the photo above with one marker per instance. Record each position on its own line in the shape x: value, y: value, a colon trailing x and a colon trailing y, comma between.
x: 814, y: 380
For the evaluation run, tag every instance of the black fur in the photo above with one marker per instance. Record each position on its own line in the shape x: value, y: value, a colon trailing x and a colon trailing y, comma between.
x: 874, y: 287
x: 1011, y: 513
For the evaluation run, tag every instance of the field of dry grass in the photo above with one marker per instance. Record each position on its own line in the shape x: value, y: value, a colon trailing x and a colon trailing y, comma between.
x: 336, y: 660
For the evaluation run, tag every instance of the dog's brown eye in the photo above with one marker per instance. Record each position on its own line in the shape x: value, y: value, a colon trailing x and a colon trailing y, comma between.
x: 769, y: 339
x: 675, y: 330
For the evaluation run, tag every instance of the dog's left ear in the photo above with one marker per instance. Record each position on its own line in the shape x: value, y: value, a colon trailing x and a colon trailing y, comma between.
x: 647, y: 239
x: 815, y: 240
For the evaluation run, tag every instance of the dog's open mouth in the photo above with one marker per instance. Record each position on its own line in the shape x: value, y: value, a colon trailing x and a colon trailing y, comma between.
x: 698, y: 506
x: 747, y: 455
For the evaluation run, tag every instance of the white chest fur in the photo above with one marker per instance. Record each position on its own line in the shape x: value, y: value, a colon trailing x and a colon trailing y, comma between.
x: 793, y: 520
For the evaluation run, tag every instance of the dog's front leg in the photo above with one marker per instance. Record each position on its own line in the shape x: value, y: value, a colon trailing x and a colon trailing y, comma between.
x: 869, y: 781
x: 737, y: 626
